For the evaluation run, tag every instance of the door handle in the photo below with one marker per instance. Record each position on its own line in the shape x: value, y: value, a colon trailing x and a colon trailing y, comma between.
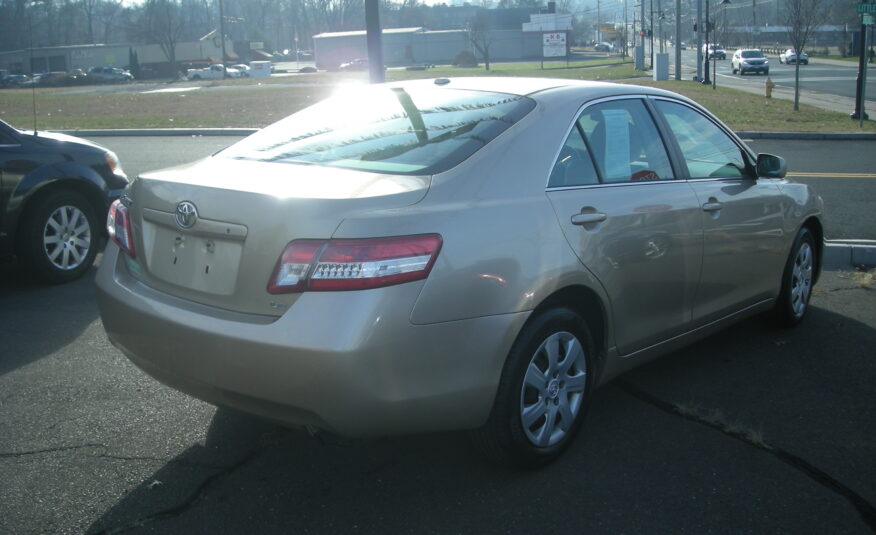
x: 588, y: 218
x: 712, y: 206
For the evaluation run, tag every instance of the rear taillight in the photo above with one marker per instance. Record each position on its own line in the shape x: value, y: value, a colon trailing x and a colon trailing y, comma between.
x: 355, y: 264
x: 118, y: 226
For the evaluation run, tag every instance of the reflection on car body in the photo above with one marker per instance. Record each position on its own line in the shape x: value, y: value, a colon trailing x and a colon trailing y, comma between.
x: 472, y: 253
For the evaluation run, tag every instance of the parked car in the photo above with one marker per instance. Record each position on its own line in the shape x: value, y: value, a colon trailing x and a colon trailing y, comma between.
x: 790, y: 56
x: 472, y: 253
x: 243, y: 69
x: 682, y: 45
x: 358, y: 64
x: 15, y: 80
x: 750, y: 60
x: 603, y: 47
x: 213, y: 72
x: 715, y: 51
x: 109, y: 75
x: 49, y: 79
x: 55, y: 195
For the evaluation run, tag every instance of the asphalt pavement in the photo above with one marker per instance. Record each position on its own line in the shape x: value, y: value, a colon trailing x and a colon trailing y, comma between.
x: 754, y: 430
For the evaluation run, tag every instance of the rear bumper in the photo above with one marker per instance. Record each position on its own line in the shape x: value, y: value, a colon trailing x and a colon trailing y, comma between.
x: 348, y: 362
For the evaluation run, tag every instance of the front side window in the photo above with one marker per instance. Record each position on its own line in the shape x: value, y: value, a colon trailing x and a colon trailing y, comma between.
x: 707, y: 150
x: 624, y: 142
x: 387, y: 130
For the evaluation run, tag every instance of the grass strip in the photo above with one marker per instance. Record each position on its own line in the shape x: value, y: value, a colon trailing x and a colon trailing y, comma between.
x: 253, y: 103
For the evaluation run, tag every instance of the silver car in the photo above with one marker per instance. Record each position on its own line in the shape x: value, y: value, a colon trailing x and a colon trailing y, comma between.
x: 474, y: 254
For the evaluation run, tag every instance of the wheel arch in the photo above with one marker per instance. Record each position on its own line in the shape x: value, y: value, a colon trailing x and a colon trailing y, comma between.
x: 590, y: 306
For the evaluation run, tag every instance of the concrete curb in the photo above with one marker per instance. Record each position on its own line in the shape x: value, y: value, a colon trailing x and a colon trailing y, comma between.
x: 161, y: 132
x: 812, y: 136
x: 839, y: 254
x: 815, y: 136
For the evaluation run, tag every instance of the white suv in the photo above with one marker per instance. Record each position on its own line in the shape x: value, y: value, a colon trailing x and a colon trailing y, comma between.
x: 750, y: 60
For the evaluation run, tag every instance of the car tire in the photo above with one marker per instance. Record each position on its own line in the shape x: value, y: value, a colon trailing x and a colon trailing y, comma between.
x: 797, y: 281
x: 59, y: 237
x: 543, y: 392
x: 735, y: 71
x: 196, y: 77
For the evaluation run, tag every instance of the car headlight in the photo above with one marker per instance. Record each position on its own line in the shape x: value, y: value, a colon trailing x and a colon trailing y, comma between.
x: 113, y: 162
x: 766, y: 62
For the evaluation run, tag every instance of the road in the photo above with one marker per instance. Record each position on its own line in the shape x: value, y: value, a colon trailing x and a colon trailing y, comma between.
x: 826, y: 79
x: 848, y: 201
x: 752, y: 430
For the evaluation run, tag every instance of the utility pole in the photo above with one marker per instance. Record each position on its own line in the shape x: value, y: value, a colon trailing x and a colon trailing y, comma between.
x: 626, y: 37
x: 699, y: 40
x: 375, y: 47
x: 598, y: 21
x: 642, y: 27
x: 678, y: 39
x: 754, y: 30
x: 660, y: 26
x: 651, y: 32
x: 222, y: 37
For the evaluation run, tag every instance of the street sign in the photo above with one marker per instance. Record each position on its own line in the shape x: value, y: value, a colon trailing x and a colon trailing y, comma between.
x: 554, y: 44
x: 866, y: 8
x: 867, y: 20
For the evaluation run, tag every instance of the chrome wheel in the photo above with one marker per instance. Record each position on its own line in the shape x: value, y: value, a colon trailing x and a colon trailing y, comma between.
x: 67, y: 237
x: 553, y: 389
x: 801, y: 279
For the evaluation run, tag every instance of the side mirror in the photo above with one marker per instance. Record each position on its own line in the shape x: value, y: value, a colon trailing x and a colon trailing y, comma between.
x: 770, y: 166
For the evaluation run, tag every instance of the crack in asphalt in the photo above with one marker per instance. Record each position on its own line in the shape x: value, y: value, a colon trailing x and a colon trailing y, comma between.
x: 49, y: 450
x: 866, y: 510
x: 189, y: 502
x: 15, y: 454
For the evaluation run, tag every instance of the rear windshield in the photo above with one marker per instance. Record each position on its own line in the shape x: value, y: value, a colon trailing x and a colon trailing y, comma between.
x: 752, y: 54
x: 387, y: 130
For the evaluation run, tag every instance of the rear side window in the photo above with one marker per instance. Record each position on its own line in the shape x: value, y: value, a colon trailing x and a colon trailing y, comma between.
x: 624, y: 142
x: 387, y: 130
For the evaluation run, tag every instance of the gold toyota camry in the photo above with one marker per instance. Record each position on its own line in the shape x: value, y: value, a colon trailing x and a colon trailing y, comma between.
x: 471, y: 254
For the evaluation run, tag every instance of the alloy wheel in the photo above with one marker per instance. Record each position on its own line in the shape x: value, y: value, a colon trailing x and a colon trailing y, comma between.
x: 67, y: 237
x: 801, y: 279
x: 553, y: 389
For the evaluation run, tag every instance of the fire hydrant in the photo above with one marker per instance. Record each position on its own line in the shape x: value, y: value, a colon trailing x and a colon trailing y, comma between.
x: 769, y: 87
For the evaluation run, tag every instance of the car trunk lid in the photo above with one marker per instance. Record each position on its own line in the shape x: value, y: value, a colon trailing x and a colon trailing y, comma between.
x: 212, y: 231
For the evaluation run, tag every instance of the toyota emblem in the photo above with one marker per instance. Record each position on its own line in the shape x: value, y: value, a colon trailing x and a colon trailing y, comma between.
x: 186, y: 215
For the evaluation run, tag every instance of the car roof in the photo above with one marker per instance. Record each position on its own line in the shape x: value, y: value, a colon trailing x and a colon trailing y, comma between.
x: 538, y: 87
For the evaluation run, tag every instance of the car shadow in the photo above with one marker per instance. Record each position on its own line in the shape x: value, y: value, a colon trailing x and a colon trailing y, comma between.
x: 637, y: 465
x: 39, y: 319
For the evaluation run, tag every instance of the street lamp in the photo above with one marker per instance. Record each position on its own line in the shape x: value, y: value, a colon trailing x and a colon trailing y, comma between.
x: 706, y: 79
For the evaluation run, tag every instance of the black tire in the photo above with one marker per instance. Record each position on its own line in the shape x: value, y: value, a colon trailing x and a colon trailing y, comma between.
x: 797, y: 281
x: 557, y: 406
x: 735, y: 71
x: 59, y: 237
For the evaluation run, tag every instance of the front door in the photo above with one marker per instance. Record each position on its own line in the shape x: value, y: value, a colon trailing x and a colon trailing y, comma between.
x: 741, y: 216
x: 629, y: 220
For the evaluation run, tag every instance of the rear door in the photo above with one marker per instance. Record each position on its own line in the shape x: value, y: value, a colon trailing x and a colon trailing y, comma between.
x: 741, y: 215
x: 630, y: 219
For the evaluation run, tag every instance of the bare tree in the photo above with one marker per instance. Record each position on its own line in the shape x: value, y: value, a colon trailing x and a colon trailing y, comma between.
x: 163, y: 24
x: 802, y: 17
x: 479, y: 37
